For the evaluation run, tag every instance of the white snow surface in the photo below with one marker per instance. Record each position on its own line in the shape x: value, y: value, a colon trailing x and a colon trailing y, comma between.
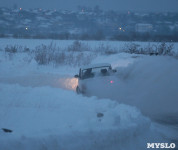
x: 39, y: 104
x: 51, y: 118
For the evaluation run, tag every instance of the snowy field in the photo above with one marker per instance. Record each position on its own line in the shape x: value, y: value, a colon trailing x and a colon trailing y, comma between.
x: 40, y: 105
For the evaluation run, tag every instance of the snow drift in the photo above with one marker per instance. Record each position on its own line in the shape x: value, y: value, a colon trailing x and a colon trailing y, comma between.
x: 51, y: 118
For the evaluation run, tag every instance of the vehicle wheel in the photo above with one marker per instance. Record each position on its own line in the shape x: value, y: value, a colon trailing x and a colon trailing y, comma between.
x: 78, y: 90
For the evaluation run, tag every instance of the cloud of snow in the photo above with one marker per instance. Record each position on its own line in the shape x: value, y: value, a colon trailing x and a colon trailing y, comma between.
x: 150, y: 84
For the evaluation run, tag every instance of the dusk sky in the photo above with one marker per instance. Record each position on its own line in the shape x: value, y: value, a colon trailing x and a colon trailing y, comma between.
x: 120, y: 5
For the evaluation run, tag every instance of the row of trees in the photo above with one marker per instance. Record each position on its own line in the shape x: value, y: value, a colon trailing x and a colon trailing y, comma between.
x: 132, y: 36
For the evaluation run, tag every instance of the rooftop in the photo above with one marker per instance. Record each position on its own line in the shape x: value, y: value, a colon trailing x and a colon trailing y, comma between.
x: 96, y: 65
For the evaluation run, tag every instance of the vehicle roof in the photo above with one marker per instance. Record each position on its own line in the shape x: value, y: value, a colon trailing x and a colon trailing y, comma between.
x: 96, y: 65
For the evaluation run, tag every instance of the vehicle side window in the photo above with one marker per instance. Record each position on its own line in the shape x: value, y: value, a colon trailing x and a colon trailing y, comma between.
x: 87, y: 73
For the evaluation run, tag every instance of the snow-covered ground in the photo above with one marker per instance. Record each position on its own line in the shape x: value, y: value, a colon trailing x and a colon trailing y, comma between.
x: 40, y: 105
x: 51, y: 118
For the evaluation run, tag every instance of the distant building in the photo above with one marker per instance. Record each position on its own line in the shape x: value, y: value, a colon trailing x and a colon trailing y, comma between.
x: 142, y: 28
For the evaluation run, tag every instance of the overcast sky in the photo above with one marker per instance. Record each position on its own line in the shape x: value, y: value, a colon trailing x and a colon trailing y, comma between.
x: 121, y: 5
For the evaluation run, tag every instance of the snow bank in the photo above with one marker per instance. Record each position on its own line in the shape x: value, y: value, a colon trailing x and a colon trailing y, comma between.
x: 51, y: 118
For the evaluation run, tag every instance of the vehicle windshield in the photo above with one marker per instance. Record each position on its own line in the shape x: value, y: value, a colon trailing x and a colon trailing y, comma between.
x: 97, y: 71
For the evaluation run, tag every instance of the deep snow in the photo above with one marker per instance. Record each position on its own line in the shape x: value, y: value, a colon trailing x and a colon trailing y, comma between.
x: 38, y: 115
x: 41, y: 107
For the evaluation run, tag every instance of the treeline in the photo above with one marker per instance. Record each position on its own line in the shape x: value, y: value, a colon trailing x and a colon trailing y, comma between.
x: 133, y: 36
